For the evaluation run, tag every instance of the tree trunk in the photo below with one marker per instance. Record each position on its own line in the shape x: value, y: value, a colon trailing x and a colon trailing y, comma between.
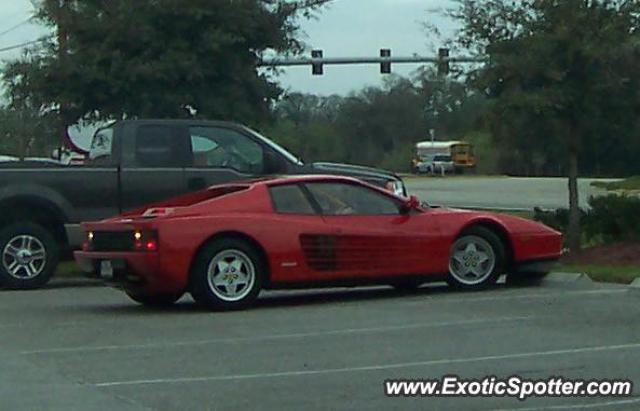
x: 574, y: 231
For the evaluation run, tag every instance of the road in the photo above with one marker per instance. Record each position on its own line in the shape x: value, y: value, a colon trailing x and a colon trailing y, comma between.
x: 83, y: 347
x: 499, y: 192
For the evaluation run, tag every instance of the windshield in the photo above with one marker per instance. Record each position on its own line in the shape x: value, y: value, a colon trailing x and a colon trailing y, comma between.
x: 277, y: 148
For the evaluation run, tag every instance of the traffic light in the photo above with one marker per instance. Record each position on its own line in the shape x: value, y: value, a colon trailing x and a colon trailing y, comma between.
x: 316, y: 67
x: 443, y: 65
x: 385, y: 66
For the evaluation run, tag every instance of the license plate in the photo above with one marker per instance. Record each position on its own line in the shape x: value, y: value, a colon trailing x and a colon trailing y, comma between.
x: 106, y: 270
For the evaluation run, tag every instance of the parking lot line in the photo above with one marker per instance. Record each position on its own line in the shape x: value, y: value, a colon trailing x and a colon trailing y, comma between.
x: 379, y: 367
x: 516, y: 296
x: 576, y: 406
x: 347, y: 331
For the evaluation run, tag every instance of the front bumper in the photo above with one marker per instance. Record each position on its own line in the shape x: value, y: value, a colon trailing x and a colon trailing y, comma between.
x: 134, y: 271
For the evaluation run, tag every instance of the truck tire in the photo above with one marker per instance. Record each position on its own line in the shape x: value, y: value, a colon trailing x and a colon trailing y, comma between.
x: 29, y: 256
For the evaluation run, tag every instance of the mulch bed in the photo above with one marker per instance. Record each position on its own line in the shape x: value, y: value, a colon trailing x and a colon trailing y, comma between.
x: 618, y: 255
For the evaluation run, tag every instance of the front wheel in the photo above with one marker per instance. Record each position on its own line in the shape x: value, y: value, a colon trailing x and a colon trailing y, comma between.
x: 227, y: 275
x: 29, y: 256
x: 477, y: 259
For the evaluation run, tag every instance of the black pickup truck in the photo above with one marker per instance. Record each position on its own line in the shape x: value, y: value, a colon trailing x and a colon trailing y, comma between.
x: 132, y: 163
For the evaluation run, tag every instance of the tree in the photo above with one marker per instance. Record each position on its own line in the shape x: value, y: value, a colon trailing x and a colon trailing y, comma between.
x: 160, y: 58
x: 377, y: 126
x: 560, y: 73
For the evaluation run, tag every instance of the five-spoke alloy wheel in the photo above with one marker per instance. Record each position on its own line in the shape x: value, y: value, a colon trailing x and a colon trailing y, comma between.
x: 231, y: 275
x: 227, y: 274
x: 476, y: 260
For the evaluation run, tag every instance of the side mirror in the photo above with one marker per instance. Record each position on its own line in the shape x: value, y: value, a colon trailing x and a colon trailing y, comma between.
x: 273, y: 164
x: 412, y: 203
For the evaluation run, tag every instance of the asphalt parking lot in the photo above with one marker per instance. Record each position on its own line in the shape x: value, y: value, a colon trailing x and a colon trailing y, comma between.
x: 499, y: 192
x: 81, y: 346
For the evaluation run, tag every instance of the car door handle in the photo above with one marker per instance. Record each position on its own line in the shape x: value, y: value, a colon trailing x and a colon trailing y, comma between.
x: 196, y: 183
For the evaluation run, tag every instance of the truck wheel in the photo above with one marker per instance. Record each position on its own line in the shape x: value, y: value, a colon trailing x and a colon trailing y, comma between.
x: 227, y: 275
x: 29, y: 255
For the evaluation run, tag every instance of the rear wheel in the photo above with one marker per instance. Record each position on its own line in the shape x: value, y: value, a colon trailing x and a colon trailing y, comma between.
x: 154, y: 300
x: 29, y: 255
x: 477, y: 259
x: 227, y: 275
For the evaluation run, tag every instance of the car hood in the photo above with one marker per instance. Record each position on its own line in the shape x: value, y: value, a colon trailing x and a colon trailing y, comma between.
x: 512, y: 223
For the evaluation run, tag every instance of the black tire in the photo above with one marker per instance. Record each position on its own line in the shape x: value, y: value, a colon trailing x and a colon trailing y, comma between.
x: 157, y: 300
x: 499, y: 252
x: 21, y: 280
x: 207, y: 294
x: 525, y: 279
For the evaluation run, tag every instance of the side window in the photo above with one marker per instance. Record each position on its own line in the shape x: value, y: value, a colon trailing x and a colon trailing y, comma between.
x: 157, y: 147
x: 101, y: 147
x: 289, y: 199
x: 214, y: 147
x: 352, y: 199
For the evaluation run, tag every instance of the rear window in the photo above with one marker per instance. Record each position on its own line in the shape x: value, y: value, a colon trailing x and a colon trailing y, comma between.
x: 156, y: 147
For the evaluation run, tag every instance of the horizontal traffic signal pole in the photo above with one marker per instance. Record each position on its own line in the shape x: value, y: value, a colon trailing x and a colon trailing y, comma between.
x: 317, y: 61
x: 306, y: 61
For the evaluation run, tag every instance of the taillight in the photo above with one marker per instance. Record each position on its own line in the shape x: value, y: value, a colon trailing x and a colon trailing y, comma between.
x: 146, y: 240
x: 87, y: 244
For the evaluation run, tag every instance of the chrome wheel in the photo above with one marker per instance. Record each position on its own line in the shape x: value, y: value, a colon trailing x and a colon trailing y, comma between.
x: 24, y: 257
x: 231, y: 275
x: 472, y: 260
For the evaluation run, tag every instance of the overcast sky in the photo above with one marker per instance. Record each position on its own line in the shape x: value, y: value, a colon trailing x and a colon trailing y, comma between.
x: 345, y: 28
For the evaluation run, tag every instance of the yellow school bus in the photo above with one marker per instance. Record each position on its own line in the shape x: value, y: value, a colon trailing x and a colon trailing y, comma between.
x: 461, y: 152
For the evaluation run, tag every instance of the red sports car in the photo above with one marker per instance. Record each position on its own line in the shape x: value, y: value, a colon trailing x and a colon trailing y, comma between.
x: 225, y: 244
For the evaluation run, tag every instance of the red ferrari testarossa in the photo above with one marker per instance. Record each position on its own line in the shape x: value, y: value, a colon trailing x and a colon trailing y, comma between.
x: 225, y: 244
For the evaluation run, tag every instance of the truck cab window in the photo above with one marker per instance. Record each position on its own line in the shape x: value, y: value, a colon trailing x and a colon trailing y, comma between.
x: 214, y: 147
x: 157, y: 147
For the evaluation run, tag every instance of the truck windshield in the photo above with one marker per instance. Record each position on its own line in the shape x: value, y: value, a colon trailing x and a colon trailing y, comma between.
x: 277, y: 148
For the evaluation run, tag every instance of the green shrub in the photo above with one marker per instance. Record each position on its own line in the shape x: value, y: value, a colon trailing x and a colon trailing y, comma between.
x: 631, y: 183
x: 611, y: 219
x: 558, y: 219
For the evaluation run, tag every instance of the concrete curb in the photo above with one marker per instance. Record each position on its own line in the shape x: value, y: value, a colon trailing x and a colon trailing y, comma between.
x: 568, y: 278
x: 635, y: 285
